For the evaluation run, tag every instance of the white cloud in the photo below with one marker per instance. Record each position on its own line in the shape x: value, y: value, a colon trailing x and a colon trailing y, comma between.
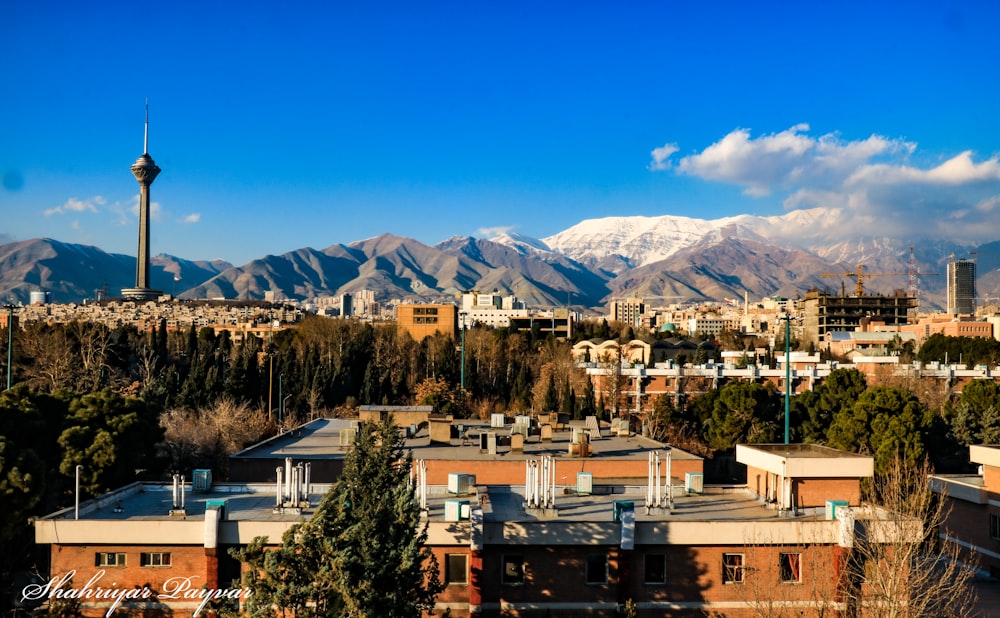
x: 872, y: 182
x: 75, y: 204
x: 491, y: 232
x: 194, y: 217
x: 661, y: 156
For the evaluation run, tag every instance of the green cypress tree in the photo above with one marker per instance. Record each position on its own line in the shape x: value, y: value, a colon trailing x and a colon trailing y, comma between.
x: 362, y: 554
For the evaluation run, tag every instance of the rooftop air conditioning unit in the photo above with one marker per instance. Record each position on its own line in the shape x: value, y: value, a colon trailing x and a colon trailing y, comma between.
x: 497, y: 420
x: 201, y: 481
x: 833, y: 505
x: 461, y: 484
x: 347, y: 436
x: 694, y: 483
x: 453, y: 509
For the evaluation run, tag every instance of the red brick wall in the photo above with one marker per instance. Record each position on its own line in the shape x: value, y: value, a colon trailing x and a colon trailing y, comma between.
x: 186, y: 561
x: 971, y: 523
x: 815, y: 492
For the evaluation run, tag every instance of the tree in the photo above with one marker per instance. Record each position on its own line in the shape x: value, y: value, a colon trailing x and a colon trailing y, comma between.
x: 362, y: 554
x: 111, y: 436
x: 884, y: 422
x: 445, y: 398
x: 550, y: 403
x: 813, y: 411
x: 898, y: 562
x: 744, y: 412
x: 976, y: 418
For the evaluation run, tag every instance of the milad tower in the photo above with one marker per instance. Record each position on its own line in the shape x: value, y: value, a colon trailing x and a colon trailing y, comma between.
x: 145, y: 171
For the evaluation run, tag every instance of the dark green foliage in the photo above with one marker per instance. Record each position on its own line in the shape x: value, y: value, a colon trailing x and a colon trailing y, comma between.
x: 813, y: 411
x: 975, y: 419
x: 969, y: 351
x: 886, y: 423
x: 744, y: 413
x: 551, y: 401
x: 111, y: 436
x: 587, y: 407
x: 362, y: 554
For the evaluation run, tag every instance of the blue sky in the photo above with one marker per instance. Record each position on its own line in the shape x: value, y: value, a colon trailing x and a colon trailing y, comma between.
x: 284, y: 125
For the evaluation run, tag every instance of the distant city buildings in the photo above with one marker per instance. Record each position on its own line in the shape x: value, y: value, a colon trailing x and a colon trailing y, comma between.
x: 961, y: 287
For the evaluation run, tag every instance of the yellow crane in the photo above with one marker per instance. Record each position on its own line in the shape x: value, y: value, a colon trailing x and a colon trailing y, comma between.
x: 861, y: 275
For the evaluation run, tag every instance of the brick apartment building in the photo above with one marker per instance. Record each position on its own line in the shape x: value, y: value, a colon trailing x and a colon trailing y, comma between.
x: 526, y: 518
x: 974, y: 509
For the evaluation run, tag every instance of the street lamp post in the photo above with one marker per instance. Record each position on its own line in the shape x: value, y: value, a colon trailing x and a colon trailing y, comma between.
x: 462, y: 315
x: 281, y: 410
x: 10, y: 343
x: 76, y: 508
x: 788, y: 373
x: 281, y: 402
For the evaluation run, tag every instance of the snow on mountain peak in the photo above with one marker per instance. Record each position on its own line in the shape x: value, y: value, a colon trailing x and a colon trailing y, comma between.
x: 520, y: 242
x: 645, y: 240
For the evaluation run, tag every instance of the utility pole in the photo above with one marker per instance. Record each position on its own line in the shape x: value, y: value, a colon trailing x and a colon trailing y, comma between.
x: 10, y: 343
x: 788, y: 371
x: 462, y: 315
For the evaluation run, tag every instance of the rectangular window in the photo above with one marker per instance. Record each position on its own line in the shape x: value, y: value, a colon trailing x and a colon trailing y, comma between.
x: 154, y: 559
x: 655, y: 569
x: 597, y: 569
x: 732, y: 568
x: 995, y: 527
x: 456, y: 569
x: 791, y: 567
x: 513, y: 570
x: 109, y: 559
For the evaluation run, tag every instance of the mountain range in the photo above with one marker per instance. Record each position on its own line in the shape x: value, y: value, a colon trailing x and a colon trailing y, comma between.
x: 668, y: 258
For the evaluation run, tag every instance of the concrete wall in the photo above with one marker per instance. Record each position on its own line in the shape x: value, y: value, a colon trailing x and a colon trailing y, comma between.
x: 512, y: 471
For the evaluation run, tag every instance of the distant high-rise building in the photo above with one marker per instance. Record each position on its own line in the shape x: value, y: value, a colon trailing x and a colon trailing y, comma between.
x: 628, y: 311
x: 145, y: 170
x: 346, y: 306
x: 962, y: 287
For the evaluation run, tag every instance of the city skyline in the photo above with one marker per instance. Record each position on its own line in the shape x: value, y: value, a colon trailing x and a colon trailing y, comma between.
x: 279, y: 129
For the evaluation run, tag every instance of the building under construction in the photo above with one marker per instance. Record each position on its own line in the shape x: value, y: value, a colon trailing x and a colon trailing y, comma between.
x: 823, y: 313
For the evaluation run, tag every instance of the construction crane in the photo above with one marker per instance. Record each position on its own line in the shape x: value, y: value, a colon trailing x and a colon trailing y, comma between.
x: 861, y: 275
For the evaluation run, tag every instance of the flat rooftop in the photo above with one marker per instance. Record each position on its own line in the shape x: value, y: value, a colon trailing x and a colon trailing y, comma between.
x: 148, y: 502
x: 154, y: 501
x: 814, y: 451
x: 320, y: 439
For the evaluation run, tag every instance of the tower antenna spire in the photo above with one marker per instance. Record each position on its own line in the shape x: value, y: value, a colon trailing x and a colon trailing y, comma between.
x: 145, y: 139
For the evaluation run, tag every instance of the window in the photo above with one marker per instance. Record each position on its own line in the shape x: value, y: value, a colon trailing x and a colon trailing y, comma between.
x: 109, y: 559
x: 513, y: 570
x: 154, y: 559
x: 597, y: 569
x: 732, y: 568
x: 655, y: 569
x: 790, y: 566
x: 995, y: 527
x: 456, y: 568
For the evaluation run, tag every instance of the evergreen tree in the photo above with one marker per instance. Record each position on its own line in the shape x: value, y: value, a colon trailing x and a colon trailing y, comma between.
x: 551, y: 401
x: 589, y: 405
x: 567, y: 401
x: 363, y: 553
